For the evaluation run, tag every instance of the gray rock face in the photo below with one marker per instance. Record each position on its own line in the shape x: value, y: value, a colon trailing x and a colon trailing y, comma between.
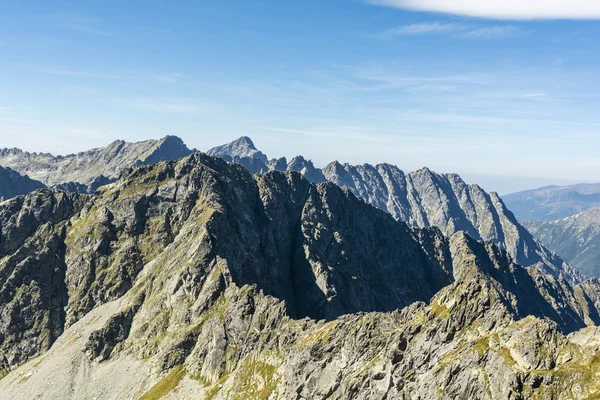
x: 91, y: 169
x: 196, y: 279
x: 576, y: 239
x: 13, y: 184
x: 423, y: 199
x: 244, y: 152
x: 553, y: 202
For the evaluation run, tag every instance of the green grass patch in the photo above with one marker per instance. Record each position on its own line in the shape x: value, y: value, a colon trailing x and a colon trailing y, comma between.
x: 166, y: 385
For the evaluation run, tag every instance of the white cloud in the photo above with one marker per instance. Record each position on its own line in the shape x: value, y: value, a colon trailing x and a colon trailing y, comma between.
x: 458, y: 30
x: 503, y: 9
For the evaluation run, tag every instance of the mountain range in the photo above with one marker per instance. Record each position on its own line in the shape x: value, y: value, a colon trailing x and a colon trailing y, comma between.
x: 88, y: 170
x: 575, y: 238
x: 420, y: 199
x: 553, y: 202
x: 196, y: 279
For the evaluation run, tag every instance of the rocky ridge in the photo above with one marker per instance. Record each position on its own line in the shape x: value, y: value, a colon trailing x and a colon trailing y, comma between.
x: 422, y: 199
x: 197, y: 279
x: 87, y: 171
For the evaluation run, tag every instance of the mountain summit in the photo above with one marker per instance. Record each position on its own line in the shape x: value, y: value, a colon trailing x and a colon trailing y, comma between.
x: 238, y: 149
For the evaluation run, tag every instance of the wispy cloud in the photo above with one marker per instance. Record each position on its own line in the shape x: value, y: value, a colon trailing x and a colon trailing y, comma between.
x: 426, y: 28
x: 468, y: 31
x: 493, y: 32
x: 168, y: 105
x: 505, y: 9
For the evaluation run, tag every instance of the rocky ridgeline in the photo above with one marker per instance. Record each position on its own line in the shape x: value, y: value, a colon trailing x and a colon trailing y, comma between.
x: 196, y: 279
x: 421, y: 199
x: 87, y: 171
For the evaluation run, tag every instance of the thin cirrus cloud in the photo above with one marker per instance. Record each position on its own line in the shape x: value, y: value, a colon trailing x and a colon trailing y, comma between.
x: 504, y: 9
x: 176, y: 105
x: 453, y: 29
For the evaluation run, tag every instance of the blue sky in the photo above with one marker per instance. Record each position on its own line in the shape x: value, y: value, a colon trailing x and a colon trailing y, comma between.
x: 497, y: 94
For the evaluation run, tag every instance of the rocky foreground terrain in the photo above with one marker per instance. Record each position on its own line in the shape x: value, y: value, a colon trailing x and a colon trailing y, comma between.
x: 575, y: 238
x: 86, y: 171
x: 421, y: 199
x: 14, y: 184
x: 196, y: 279
x: 554, y: 202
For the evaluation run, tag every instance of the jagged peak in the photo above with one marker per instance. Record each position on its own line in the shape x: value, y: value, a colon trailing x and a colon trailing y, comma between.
x: 239, y: 148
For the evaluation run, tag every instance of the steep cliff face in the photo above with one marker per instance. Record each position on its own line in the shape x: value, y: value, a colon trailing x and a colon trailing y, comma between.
x: 13, y: 184
x: 575, y: 238
x: 196, y: 279
x: 88, y: 170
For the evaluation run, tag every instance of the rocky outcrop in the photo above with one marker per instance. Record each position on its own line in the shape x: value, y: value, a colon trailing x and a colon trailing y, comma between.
x: 576, y: 239
x: 13, y: 184
x: 90, y: 169
x: 553, y: 202
x: 196, y: 279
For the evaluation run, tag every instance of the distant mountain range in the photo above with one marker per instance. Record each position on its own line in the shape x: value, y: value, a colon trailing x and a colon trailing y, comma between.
x: 576, y: 239
x: 14, y: 184
x: 88, y: 170
x: 553, y: 202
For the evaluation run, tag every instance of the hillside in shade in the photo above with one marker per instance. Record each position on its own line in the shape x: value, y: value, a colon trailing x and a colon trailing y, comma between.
x: 13, y: 184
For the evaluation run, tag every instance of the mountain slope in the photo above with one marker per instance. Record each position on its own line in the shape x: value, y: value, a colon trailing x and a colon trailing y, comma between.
x: 553, y: 202
x: 86, y: 171
x: 13, y: 184
x: 575, y: 238
x: 193, y: 279
x: 422, y: 199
